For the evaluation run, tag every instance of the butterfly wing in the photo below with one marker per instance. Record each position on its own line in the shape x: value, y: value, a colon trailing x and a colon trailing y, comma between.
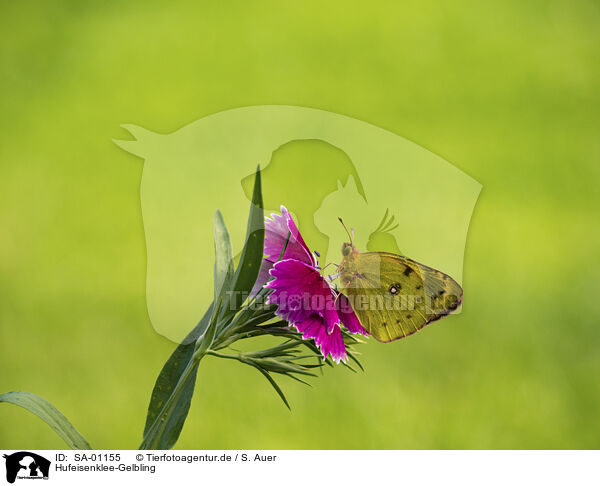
x: 394, y: 296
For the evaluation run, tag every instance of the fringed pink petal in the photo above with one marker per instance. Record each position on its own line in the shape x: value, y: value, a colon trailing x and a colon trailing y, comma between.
x: 348, y: 317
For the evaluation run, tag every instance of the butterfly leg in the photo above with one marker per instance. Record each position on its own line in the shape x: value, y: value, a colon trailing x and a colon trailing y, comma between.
x: 339, y: 292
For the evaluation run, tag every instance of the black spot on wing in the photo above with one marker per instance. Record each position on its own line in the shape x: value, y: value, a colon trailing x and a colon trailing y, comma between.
x: 394, y: 289
x: 407, y: 271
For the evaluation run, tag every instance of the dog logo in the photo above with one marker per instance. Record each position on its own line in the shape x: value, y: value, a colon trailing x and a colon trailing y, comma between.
x: 26, y: 465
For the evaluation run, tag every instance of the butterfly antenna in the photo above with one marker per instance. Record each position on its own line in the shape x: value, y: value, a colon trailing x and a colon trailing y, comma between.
x: 348, y: 232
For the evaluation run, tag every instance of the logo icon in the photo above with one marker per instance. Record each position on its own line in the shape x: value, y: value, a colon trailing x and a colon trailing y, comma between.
x: 26, y: 465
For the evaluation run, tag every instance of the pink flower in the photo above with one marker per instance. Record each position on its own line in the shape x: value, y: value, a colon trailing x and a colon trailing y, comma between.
x: 303, y: 296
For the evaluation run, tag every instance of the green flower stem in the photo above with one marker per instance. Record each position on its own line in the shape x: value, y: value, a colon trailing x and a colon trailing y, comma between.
x: 237, y: 357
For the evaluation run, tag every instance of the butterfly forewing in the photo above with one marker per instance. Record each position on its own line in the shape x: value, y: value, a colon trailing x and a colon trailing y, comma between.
x: 394, y: 296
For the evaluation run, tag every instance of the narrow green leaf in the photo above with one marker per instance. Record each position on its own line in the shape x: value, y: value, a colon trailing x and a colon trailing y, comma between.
x: 355, y: 359
x: 169, y: 376
x: 346, y: 365
x: 252, y: 254
x: 298, y: 379
x: 223, y: 257
x: 285, y: 245
x: 205, y: 342
x: 274, y: 385
x: 275, y: 366
x: 49, y: 414
x: 223, y: 280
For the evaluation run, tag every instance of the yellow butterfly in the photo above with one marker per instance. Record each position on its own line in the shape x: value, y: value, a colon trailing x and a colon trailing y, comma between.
x: 394, y: 296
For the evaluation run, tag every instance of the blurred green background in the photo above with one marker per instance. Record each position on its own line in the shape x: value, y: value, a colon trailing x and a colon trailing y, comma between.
x: 507, y: 91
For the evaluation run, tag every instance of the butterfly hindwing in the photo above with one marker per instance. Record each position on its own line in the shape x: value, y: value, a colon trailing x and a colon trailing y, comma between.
x: 394, y: 296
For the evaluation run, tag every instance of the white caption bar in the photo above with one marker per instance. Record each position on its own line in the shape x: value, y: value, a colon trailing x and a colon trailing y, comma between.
x: 291, y: 468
